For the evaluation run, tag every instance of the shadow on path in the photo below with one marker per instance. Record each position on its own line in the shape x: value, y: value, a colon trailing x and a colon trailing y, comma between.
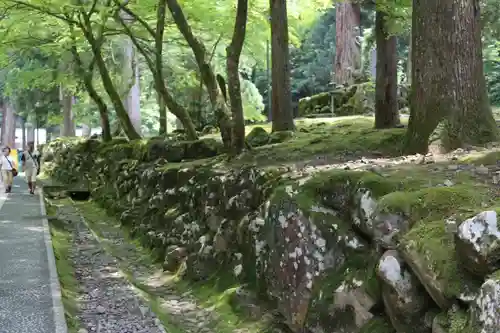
x: 30, y: 299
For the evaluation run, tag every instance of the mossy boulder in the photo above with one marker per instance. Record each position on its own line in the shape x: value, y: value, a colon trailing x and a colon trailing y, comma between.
x: 203, y: 148
x: 455, y: 320
x: 357, y: 99
x: 478, y: 243
x: 209, y: 129
x: 257, y: 137
x: 315, y: 104
x: 486, y: 308
x: 377, y: 325
x: 313, y: 252
x: 360, y: 101
x: 280, y: 136
x: 404, y: 301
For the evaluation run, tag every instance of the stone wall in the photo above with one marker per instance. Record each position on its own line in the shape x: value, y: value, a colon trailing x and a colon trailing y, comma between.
x: 335, y: 251
x: 358, y: 99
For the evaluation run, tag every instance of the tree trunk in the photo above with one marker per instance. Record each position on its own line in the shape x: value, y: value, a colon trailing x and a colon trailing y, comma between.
x: 23, y: 133
x: 9, y: 125
x: 408, y: 62
x: 448, y: 84
x: 66, y: 99
x: 386, y: 84
x: 179, y: 111
x: 133, y: 95
x: 156, y: 67
x: 162, y: 112
x: 86, y: 130
x: 348, y: 50
x: 107, y: 82
x: 282, y: 113
x: 3, y: 107
x: 233, y: 52
x: 202, y: 59
x: 30, y: 132
x: 373, y: 63
x: 87, y: 77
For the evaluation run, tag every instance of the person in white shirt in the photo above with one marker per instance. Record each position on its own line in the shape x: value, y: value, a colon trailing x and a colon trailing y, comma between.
x: 31, y: 165
x: 7, y: 168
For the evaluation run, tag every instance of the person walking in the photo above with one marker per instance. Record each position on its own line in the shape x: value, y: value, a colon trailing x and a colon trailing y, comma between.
x: 8, y: 169
x: 31, y: 165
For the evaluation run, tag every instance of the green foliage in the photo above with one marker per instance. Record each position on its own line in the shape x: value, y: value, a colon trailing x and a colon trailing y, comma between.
x: 35, y: 58
x: 492, y: 71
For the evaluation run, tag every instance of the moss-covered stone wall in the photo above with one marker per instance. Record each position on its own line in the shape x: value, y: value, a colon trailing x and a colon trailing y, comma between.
x: 358, y: 99
x: 335, y: 251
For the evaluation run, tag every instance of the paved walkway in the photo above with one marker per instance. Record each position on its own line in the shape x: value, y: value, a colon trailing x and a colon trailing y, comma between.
x: 30, y: 298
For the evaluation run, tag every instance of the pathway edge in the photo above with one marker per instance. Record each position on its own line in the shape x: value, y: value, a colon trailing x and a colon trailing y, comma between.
x: 55, y: 287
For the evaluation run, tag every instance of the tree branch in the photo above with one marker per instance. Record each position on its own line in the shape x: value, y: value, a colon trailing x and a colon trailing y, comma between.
x: 123, y: 6
x: 43, y: 10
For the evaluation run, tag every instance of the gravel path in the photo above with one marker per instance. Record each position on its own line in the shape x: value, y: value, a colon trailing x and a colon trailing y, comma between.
x: 108, y: 303
x: 182, y: 309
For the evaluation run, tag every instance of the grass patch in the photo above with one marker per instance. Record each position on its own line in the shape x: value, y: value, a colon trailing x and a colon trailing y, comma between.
x: 62, y: 241
x: 214, y: 294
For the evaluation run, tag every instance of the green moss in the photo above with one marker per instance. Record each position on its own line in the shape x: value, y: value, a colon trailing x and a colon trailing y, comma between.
x: 258, y: 137
x: 382, y: 185
x: 62, y: 244
x: 313, y: 104
x: 135, y: 150
x: 280, y: 136
x: 482, y: 158
x: 435, y: 202
x: 429, y: 240
x: 334, y: 140
x: 458, y: 322
x: 328, y: 179
x: 495, y: 275
x: 436, y: 247
x: 377, y: 325
x: 455, y: 321
x: 195, y: 166
x: 359, y: 268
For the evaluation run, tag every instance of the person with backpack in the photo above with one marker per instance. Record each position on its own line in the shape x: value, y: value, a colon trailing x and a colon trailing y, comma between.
x: 31, y: 165
x: 8, y: 169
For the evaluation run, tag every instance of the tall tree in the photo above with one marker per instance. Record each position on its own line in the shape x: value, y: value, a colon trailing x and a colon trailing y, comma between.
x: 86, y: 74
x: 448, y: 84
x: 155, y: 64
x: 282, y: 114
x: 207, y: 73
x: 132, y: 98
x: 8, y: 122
x: 386, y: 83
x: 66, y: 98
x: 233, y: 76
x: 348, y: 48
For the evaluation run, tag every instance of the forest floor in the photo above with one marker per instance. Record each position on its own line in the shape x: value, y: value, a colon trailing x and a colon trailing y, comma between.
x: 181, y: 306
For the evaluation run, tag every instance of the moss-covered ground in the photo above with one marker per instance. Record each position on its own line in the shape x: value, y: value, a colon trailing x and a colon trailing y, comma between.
x: 328, y: 139
x: 62, y: 243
